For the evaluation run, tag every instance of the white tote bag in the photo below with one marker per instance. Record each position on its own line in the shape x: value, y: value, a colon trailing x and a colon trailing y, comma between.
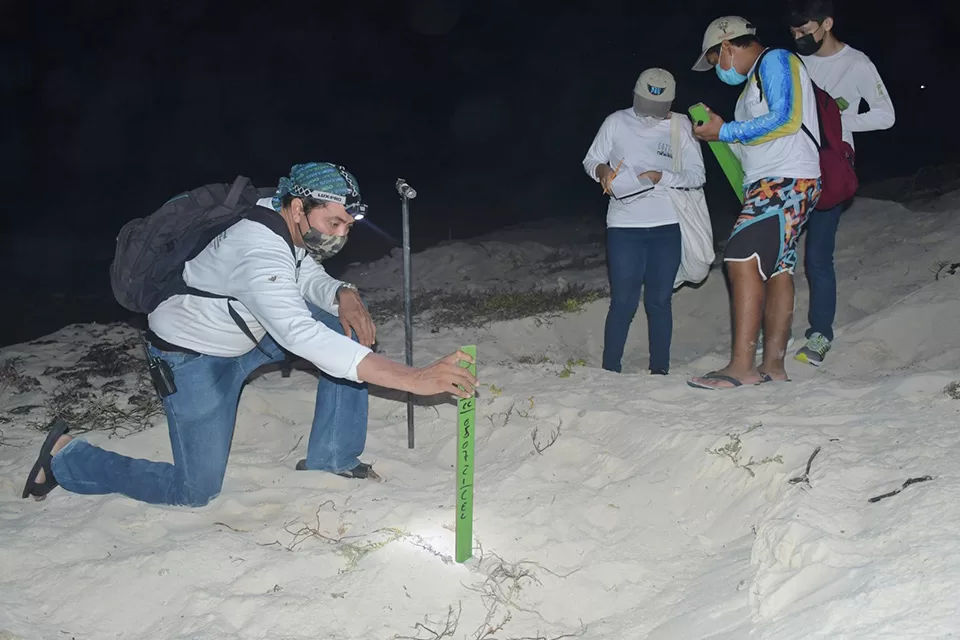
x: 696, y: 232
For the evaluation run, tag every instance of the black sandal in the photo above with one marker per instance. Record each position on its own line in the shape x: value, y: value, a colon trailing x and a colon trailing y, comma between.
x: 362, y: 471
x: 39, y: 490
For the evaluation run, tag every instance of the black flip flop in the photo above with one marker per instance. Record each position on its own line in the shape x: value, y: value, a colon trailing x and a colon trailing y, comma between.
x: 362, y: 471
x: 39, y: 490
x: 713, y: 375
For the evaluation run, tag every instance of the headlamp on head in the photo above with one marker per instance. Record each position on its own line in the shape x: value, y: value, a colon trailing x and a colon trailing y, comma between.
x: 350, y: 202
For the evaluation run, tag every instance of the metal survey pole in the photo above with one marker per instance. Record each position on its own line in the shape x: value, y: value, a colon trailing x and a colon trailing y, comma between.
x: 407, y: 193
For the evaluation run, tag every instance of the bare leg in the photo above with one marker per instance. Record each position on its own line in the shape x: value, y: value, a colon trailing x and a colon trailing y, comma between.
x: 778, y: 317
x: 748, y: 290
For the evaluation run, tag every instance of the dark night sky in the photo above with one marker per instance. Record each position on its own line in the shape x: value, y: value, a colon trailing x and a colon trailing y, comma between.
x: 485, y: 107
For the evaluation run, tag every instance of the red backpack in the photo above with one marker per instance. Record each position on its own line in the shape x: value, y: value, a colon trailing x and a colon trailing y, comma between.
x: 839, y: 180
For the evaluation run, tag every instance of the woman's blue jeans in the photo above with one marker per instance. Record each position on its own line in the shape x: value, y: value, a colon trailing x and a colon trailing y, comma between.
x: 641, y: 260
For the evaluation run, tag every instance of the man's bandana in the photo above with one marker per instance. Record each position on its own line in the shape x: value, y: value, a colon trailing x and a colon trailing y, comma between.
x: 322, y: 181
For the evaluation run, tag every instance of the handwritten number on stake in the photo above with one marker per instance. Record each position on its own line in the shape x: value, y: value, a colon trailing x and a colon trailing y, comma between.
x: 466, y: 420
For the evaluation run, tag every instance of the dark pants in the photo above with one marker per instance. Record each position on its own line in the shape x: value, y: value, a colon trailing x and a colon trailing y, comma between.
x: 818, y: 264
x: 644, y: 259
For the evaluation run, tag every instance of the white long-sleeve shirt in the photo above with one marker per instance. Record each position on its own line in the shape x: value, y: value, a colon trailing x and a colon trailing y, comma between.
x: 253, y: 264
x: 851, y: 75
x: 644, y: 144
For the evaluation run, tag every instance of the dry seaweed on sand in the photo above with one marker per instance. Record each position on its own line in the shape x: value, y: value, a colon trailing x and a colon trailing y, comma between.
x: 474, y: 309
x: 106, y: 389
x: 88, y: 409
x: 13, y: 378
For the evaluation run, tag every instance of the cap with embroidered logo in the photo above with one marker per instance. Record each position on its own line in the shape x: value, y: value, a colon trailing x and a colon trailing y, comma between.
x: 723, y: 28
x: 654, y: 92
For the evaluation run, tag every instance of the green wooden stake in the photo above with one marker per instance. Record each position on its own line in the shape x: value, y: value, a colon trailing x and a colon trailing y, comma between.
x: 725, y: 156
x: 466, y: 419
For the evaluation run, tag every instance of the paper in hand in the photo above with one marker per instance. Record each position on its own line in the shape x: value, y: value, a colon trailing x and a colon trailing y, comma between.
x: 627, y: 185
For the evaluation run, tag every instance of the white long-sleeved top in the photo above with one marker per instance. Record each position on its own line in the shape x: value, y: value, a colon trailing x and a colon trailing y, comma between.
x: 644, y: 144
x: 851, y: 75
x: 253, y: 264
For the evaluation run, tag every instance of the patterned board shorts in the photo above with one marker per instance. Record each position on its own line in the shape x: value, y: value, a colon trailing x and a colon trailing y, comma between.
x: 774, y: 211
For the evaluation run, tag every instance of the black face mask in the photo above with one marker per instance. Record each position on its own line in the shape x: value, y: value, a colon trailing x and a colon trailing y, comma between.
x: 808, y: 45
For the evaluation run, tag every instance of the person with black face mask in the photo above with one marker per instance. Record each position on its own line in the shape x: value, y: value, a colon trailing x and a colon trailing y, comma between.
x: 252, y: 293
x: 850, y: 77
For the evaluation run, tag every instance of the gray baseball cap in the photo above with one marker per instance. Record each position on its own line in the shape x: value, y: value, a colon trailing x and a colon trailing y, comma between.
x: 654, y: 92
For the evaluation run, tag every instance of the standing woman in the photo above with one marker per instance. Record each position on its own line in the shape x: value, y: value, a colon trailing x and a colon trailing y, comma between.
x: 643, y: 231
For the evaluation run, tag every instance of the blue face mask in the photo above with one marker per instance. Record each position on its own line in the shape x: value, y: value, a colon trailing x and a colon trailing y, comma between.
x: 730, y: 76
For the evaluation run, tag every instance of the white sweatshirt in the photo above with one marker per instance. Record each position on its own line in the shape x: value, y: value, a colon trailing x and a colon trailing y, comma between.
x: 254, y: 265
x: 850, y: 75
x: 644, y: 145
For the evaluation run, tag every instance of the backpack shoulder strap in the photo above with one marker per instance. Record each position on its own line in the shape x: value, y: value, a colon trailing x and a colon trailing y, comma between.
x: 816, y: 100
x: 268, y: 218
x: 273, y: 221
x: 756, y: 75
x: 756, y: 71
x: 675, y: 142
x: 812, y: 139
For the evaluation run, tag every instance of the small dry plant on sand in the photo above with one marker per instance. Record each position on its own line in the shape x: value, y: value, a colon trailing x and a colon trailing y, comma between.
x: 943, y: 268
x: 12, y: 377
x: 353, y: 548
x: 733, y: 451
x: 531, y: 359
x: 952, y: 390
x: 540, y: 442
x: 499, y: 591
x: 569, y: 368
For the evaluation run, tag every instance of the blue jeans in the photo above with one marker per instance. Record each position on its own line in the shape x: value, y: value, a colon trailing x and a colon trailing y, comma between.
x: 201, y: 416
x: 818, y: 264
x: 638, y: 259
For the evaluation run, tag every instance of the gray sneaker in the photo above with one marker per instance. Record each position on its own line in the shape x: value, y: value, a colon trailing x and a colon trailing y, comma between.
x: 760, y: 342
x: 815, y: 350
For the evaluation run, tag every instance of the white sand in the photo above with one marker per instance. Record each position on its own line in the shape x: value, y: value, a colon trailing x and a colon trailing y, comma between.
x: 625, y: 528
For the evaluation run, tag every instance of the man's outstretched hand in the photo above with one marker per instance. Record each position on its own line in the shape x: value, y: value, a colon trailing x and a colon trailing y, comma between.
x: 354, y: 316
x: 444, y: 376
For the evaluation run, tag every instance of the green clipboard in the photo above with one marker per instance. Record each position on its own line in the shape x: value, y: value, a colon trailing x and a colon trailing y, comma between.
x: 728, y: 161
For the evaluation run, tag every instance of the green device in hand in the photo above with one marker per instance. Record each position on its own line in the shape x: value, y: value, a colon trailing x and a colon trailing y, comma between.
x: 725, y: 156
